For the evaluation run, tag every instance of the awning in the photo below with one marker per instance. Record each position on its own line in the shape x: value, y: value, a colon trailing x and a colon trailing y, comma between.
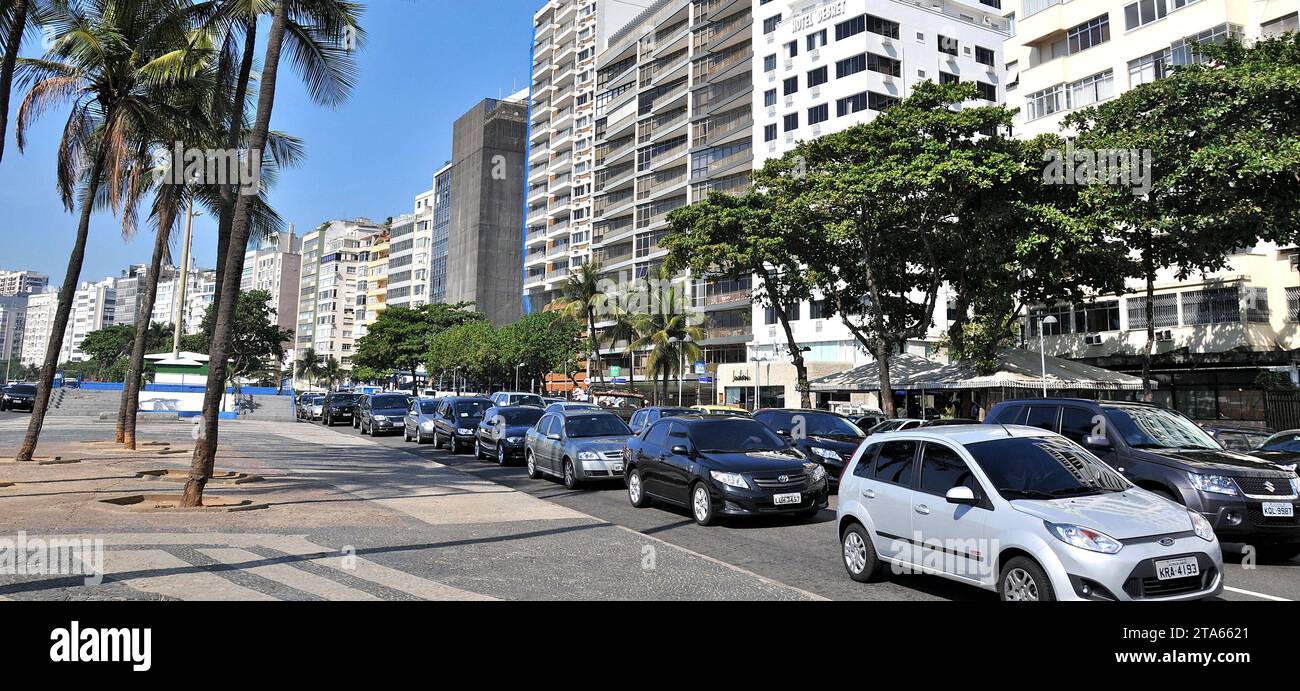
x: 1023, y: 369
x: 904, y: 369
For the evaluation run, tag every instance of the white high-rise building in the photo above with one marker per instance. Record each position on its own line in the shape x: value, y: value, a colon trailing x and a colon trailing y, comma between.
x: 410, y: 254
x: 567, y: 37
x: 275, y: 265
x: 200, y: 289
x: 94, y: 307
x: 332, y: 265
x: 22, y: 282
x: 39, y: 326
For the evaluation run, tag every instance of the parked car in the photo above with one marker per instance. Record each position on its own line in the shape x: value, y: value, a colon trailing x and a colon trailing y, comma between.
x: 1282, y: 448
x: 1023, y: 512
x: 547, y: 400
x: 501, y: 433
x: 868, y: 422
x: 502, y: 399
x: 417, y: 425
x: 18, y: 397
x: 731, y: 410
x: 310, y: 406
x: 381, y: 413
x: 716, y: 466
x: 571, y: 405
x: 895, y: 425
x: 645, y: 417
x: 577, y: 446
x: 824, y: 437
x: 456, y: 420
x: 1243, y: 439
x: 1246, y: 499
x: 338, y: 407
x: 948, y: 422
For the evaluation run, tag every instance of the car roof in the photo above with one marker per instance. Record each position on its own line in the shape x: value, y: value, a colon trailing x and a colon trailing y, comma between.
x: 577, y: 412
x: 518, y: 407
x: 800, y: 410
x: 964, y: 434
x: 515, y: 393
x: 1086, y: 401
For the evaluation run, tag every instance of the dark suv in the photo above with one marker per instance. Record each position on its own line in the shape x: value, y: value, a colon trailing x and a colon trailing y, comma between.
x: 456, y: 421
x: 18, y: 396
x: 338, y: 408
x: 1246, y: 499
x: 382, y: 413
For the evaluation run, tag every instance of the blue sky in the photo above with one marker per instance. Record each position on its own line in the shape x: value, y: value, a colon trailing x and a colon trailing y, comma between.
x: 426, y: 62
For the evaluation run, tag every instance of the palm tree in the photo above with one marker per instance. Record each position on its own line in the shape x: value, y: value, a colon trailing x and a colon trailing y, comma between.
x: 583, y: 295
x: 331, y: 372
x: 334, y: 24
x: 622, y: 329
x: 308, y: 366
x: 17, y: 17
x: 667, y: 330
x: 118, y: 63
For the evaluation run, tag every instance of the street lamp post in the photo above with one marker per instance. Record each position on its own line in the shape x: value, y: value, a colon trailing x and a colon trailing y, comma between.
x: 183, y: 279
x: 758, y: 381
x: 681, y: 370
x: 1049, y: 320
x: 517, y: 375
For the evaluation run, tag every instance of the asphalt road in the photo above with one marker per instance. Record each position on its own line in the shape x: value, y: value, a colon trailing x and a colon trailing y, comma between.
x: 803, y: 554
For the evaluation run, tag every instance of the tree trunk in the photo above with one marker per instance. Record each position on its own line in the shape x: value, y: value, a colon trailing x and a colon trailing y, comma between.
x: 205, y: 447
x: 1147, y: 394
x: 12, y: 43
x: 796, y: 356
x: 64, y: 309
x: 886, y: 386
x: 595, y: 345
x: 135, y: 372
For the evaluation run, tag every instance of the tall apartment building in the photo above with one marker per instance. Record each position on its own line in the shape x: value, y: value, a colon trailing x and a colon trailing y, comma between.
x: 13, y: 320
x: 201, y: 288
x: 128, y: 293
x: 332, y: 266
x: 38, y: 327
x: 1216, y: 333
x: 673, y: 122
x: 372, y: 283
x: 21, y: 282
x: 275, y: 265
x: 485, y: 237
x: 567, y: 37
x: 409, y: 255
x: 94, y: 307
x: 441, y: 224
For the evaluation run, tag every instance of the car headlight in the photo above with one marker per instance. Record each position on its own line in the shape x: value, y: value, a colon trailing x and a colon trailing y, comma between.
x: 588, y: 456
x: 1085, y: 538
x: 818, y: 473
x: 514, y: 440
x: 1214, y: 484
x: 427, y: 426
x: 464, y: 431
x: 1202, y: 527
x: 826, y: 454
x: 381, y: 418
x: 730, y: 479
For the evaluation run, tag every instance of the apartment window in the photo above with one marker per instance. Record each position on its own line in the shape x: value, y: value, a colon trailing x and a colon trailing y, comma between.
x: 770, y: 314
x: 1293, y: 305
x: 1257, y: 311
x: 884, y: 65
x: 817, y: 309
x: 1281, y: 25
x: 988, y: 92
x: 984, y: 56
x: 1046, y: 102
x: 817, y: 77
x: 948, y: 78
x: 1090, y: 90
x: 789, y: 86
x: 947, y: 45
x: 880, y: 102
x: 769, y: 97
x: 849, y: 66
x: 769, y: 133
x: 791, y: 122
x: 1183, y: 53
x: 1093, y: 32
x: 1148, y: 68
x: 792, y: 49
x: 770, y: 24
x: 852, y: 27
x: 819, y: 114
x: 1144, y: 12
x: 769, y: 63
x: 1098, y: 317
x: 1211, y: 306
x: 851, y: 104
x: 883, y: 27
x: 816, y: 40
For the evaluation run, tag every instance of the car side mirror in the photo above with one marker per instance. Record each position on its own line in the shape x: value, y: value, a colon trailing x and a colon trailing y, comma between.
x: 553, y: 436
x: 783, y: 432
x: 1096, y: 441
x: 681, y: 450
x: 964, y: 496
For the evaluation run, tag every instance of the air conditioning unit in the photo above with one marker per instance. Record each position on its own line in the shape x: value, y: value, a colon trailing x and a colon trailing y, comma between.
x: 1092, y: 339
x: 1165, y: 336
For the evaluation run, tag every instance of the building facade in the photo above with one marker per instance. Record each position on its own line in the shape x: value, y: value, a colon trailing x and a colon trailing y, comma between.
x: 1217, y: 334
x: 372, y: 283
x: 13, y: 320
x: 567, y: 37
x: 410, y: 254
x: 441, y: 232
x: 275, y: 266
x: 332, y: 270
x: 38, y: 327
x: 22, y: 282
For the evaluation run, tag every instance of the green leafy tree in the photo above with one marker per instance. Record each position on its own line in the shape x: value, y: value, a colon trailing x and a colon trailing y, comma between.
x: 667, y: 330
x: 474, y: 350
x: 400, y: 338
x: 543, y: 342
x: 1224, y: 146
x: 308, y: 366
x: 583, y: 295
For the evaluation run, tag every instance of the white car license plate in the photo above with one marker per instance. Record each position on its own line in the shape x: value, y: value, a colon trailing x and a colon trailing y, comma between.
x: 1278, y: 509
x: 616, y: 467
x: 1170, y: 569
x: 787, y: 499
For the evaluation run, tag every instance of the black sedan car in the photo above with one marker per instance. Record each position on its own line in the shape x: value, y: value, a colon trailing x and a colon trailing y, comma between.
x: 18, y: 397
x: 824, y: 437
x: 500, y: 435
x: 455, y: 424
x: 338, y: 408
x: 717, y: 465
x: 382, y: 413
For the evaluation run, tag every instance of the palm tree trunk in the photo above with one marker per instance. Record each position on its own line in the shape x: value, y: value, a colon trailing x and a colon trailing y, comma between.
x: 226, y: 217
x: 135, y: 372
x: 12, y: 42
x: 205, y: 447
x: 64, y: 309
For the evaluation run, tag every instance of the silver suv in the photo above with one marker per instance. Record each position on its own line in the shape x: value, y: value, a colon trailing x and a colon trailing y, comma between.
x: 1020, y: 511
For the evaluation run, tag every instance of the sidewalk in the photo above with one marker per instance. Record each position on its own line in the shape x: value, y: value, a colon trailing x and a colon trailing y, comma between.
x: 345, y: 519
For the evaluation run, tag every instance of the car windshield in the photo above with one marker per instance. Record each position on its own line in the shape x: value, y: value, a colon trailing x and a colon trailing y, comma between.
x: 735, y: 435
x: 1157, y: 428
x: 526, y: 416
x: 1044, y: 468
x: 472, y: 408
x: 22, y: 388
x: 527, y: 399
x: 677, y: 412
x: 388, y: 402
x: 815, y: 424
x: 595, y: 425
x: 344, y: 398
x: 428, y: 407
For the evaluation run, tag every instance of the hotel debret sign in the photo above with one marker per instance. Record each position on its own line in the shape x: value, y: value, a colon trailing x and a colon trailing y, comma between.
x: 817, y: 15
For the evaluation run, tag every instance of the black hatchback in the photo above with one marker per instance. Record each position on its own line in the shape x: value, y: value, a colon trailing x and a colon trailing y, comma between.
x: 826, y: 438
x: 722, y: 465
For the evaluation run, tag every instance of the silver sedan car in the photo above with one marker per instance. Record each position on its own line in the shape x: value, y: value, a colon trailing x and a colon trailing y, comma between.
x: 577, y: 446
x: 417, y: 426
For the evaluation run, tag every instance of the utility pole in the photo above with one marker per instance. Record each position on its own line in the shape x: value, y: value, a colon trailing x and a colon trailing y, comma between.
x: 183, y: 280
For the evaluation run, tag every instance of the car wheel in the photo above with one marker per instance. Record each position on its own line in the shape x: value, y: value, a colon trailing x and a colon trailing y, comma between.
x: 860, y: 558
x: 501, y: 455
x: 1278, y: 553
x: 406, y: 434
x: 533, y: 472
x: 635, y: 491
x: 437, y: 440
x: 1023, y: 580
x: 701, y: 504
x: 478, y: 449
x: 570, y: 476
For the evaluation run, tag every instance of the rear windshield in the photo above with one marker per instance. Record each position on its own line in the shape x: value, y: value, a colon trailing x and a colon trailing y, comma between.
x: 526, y: 416
x: 527, y: 399
x: 596, y: 425
x: 735, y: 435
x: 344, y: 398
x: 472, y: 408
x: 388, y: 402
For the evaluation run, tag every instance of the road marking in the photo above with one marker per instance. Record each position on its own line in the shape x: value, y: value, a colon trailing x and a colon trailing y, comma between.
x: 287, y: 575
x: 189, y: 585
x: 1255, y: 594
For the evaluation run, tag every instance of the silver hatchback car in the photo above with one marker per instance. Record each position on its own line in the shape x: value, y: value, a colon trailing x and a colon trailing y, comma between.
x: 1020, y: 511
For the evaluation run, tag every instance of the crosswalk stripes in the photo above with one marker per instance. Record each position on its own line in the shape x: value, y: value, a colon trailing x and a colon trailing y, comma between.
x: 188, y: 583
x: 287, y: 575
